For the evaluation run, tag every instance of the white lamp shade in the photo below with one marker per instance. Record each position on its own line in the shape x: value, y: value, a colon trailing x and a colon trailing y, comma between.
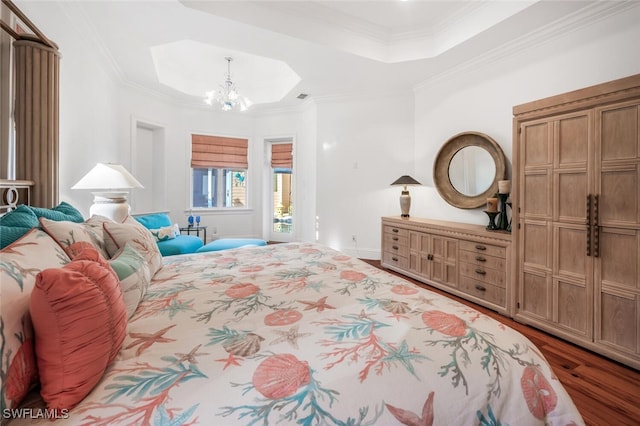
x: 107, y: 177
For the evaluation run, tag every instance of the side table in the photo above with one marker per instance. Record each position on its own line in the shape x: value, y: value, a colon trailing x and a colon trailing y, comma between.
x: 196, y: 230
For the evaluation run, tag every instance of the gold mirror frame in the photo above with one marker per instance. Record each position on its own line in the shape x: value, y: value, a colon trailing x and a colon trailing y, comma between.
x: 443, y: 159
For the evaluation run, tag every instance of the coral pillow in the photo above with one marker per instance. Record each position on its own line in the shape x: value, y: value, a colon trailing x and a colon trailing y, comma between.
x: 80, y: 321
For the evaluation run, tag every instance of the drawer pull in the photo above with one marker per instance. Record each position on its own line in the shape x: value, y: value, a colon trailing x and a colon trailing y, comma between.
x: 395, y: 259
x: 480, y: 288
x: 394, y: 230
x: 480, y: 247
x: 394, y: 247
x: 481, y: 272
x: 480, y: 259
x: 395, y: 238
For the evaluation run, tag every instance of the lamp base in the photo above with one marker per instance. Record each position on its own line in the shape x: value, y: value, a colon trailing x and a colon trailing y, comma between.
x: 405, y: 203
x: 110, y: 204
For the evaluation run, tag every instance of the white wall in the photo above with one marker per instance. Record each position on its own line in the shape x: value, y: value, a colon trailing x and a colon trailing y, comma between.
x: 362, y: 146
x: 480, y: 97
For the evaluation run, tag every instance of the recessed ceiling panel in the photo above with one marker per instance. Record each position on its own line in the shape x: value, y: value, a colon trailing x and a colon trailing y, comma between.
x: 195, y: 68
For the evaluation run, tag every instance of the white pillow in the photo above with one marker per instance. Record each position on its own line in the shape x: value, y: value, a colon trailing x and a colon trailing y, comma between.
x: 117, y: 235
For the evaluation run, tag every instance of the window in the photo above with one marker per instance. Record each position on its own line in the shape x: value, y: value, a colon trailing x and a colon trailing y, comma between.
x: 219, y: 169
x: 282, y: 202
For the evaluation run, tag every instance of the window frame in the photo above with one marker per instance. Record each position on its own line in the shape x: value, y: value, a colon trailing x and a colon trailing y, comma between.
x: 220, y: 187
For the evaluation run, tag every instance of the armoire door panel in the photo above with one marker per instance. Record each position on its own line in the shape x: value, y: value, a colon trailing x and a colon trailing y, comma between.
x: 619, y: 132
x: 536, y: 144
x: 537, y: 194
x: 619, y: 318
x: 571, y: 189
x: 569, y: 248
x: 573, y: 133
x: 536, y: 244
x: 535, y: 296
x: 618, y: 264
x: 574, y: 304
x: 619, y: 202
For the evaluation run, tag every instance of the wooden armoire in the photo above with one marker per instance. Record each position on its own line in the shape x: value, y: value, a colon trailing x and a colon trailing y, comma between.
x: 576, y: 216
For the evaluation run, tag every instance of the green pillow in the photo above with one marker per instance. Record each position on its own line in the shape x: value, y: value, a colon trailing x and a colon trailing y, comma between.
x: 16, y: 223
x: 63, y: 211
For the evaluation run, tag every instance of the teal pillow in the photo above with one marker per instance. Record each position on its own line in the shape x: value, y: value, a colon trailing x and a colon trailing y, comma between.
x: 63, y: 211
x: 154, y: 221
x: 15, y: 224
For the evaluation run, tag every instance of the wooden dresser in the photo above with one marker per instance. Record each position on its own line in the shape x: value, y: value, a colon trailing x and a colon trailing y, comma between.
x: 462, y: 259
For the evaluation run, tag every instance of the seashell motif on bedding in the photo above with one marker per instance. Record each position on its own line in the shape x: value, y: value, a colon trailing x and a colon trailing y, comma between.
x: 244, y: 346
x: 396, y: 307
x: 447, y: 324
x: 280, y: 376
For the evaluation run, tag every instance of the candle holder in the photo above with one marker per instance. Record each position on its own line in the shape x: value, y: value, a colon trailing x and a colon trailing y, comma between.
x: 510, y: 208
x: 503, y: 220
x: 492, y: 220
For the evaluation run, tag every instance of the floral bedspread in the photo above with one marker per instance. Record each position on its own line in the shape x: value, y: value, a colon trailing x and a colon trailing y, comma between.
x: 302, y: 334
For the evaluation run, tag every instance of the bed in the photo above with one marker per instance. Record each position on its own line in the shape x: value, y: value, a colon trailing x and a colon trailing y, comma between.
x: 294, y: 333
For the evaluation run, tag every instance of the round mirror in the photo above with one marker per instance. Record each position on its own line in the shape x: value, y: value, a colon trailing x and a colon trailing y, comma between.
x: 472, y: 170
x: 467, y: 169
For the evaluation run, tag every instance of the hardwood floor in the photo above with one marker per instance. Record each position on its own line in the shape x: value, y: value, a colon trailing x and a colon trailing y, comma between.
x: 605, y: 392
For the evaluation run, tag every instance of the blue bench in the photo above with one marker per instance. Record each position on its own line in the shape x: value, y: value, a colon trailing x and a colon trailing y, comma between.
x: 182, y: 244
x: 230, y: 243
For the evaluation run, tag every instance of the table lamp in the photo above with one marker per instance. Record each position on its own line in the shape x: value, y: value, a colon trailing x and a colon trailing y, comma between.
x: 110, y: 183
x: 405, y: 198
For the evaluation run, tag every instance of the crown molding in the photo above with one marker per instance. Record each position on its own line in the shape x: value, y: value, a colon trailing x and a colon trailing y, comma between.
x: 77, y: 15
x: 584, y: 17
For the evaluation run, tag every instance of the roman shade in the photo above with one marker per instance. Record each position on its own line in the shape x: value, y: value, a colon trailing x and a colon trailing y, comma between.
x: 282, y: 155
x: 218, y: 152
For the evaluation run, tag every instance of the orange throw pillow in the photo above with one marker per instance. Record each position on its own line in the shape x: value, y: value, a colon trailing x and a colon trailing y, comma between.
x: 80, y: 321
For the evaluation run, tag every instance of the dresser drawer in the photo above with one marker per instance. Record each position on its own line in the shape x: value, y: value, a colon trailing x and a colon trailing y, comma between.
x: 481, y: 273
x: 389, y: 240
x: 394, y: 230
x: 482, y: 248
x: 482, y: 259
x: 481, y: 290
x: 399, y: 247
x: 393, y: 259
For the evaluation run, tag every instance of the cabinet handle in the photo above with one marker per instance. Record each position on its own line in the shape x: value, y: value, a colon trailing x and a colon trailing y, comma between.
x: 481, y: 272
x: 395, y: 247
x: 479, y: 247
x: 429, y: 257
x: 394, y: 238
x: 394, y: 230
x: 395, y: 259
x: 589, y: 225
x: 480, y: 288
x: 480, y: 259
x: 596, y: 227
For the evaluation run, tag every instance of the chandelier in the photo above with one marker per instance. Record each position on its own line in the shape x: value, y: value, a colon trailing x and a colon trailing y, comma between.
x: 227, y: 95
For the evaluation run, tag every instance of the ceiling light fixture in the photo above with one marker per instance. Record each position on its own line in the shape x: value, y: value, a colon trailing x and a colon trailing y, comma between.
x: 227, y: 95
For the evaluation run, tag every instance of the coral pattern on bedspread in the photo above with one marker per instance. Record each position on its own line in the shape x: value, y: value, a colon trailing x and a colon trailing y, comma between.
x: 301, y: 334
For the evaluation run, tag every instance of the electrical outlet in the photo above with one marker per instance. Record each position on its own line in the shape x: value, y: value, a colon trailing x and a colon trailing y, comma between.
x: 353, y: 238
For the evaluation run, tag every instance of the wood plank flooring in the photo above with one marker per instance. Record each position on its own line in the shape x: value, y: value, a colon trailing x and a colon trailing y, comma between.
x: 605, y: 392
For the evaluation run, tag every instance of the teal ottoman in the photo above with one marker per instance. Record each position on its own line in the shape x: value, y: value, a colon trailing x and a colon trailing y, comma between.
x: 230, y: 243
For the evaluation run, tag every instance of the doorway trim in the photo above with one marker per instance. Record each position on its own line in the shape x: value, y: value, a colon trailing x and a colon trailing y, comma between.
x: 267, y: 197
